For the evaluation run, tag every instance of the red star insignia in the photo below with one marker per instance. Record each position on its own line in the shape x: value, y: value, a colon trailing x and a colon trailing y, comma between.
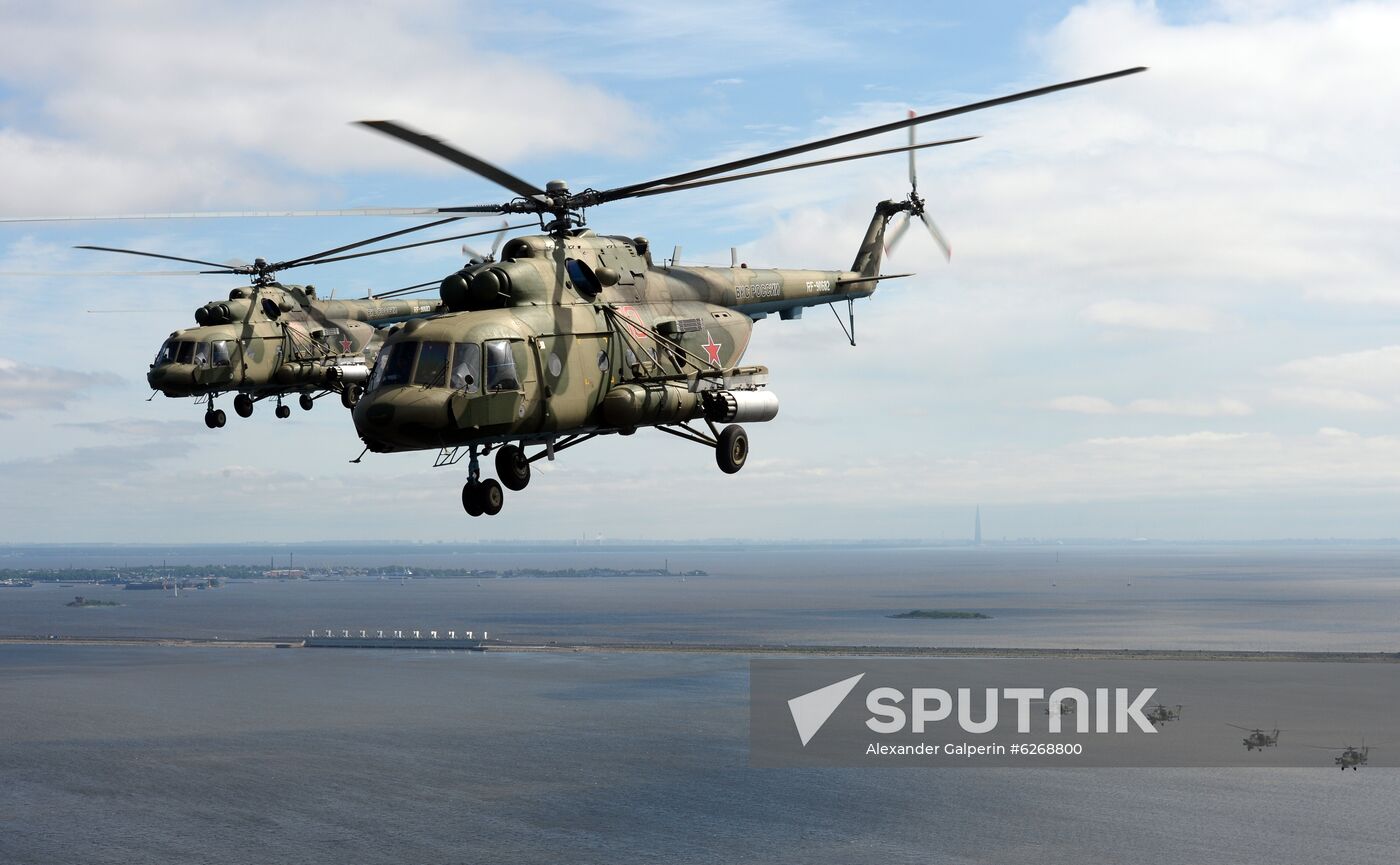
x: 712, y: 348
x: 345, y: 345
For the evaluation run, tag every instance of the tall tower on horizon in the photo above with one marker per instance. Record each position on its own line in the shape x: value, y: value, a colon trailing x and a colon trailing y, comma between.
x: 977, y: 528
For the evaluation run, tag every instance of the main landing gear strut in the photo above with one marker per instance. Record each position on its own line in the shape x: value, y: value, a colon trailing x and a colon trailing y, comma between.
x: 731, y: 446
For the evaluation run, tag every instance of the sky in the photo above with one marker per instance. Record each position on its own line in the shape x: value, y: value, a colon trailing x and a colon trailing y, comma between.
x: 1171, y: 310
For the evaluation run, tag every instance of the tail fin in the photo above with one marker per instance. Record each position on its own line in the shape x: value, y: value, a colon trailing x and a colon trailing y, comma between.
x: 872, y: 248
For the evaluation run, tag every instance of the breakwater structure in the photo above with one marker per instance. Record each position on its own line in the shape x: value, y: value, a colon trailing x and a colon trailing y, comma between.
x: 417, y: 638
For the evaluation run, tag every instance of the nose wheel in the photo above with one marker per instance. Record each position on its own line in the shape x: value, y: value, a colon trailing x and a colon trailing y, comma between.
x: 243, y: 405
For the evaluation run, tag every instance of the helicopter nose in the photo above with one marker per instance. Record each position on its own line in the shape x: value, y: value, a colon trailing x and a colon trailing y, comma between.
x: 409, y: 417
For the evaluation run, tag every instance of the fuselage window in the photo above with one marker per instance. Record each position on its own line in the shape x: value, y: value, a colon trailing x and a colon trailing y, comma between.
x: 219, y: 352
x: 500, y: 366
x: 186, y: 352
x: 432, y: 365
x: 466, y: 366
x: 396, y: 368
x: 201, y: 354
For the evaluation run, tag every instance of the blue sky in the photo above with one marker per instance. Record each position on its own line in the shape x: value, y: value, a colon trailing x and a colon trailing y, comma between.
x: 1171, y: 311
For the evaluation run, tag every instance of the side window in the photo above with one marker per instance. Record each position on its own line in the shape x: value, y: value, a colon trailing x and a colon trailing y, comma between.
x: 432, y: 365
x: 466, y: 367
x: 201, y: 354
x: 219, y: 352
x: 500, y: 366
x: 396, y: 368
x: 186, y: 353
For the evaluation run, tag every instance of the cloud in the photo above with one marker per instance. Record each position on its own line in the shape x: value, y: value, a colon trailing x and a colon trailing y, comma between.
x: 1367, y: 380
x: 1083, y: 405
x: 1150, y: 316
x: 164, y: 106
x: 26, y: 387
x: 1093, y: 405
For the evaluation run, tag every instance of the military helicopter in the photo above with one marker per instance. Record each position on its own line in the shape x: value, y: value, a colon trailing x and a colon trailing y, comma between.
x: 1350, y: 757
x: 1159, y: 715
x: 1257, y: 738
x: 270, y: 340
x: 573, y: 335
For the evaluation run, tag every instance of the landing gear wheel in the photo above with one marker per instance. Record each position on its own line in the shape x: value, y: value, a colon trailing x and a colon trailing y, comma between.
x: 493, y: 498
x: 209, y: 420
x: 215, y: 418
x: 284, y: 411
x: 512, y: 467
x: 351, y: 395
x: 307, y: 403
x: 732, y: 450
x: 472, y: 500
x: 243, y: 404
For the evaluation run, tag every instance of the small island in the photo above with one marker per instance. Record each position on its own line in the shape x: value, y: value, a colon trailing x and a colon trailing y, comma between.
x: 80, y: 601
x: 939, y: 614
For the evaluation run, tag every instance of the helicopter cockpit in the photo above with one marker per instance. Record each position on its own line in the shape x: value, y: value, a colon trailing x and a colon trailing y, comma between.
x: 457, y: 366
x: 194, y: 352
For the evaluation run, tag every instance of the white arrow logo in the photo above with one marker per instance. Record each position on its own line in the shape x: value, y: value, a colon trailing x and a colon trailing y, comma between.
x: 811, y: 710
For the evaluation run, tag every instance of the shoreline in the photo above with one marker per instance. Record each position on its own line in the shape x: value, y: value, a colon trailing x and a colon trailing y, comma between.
x: 752, y: 649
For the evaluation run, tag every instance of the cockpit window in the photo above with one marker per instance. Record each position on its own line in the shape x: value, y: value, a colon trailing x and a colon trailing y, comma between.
x: 219, y: 352
x: 500, y: 366
x: 185, y: 354
x: 466, y: 367
x: 432, y: 365
x: 397, y: 364
x: 167, y: 352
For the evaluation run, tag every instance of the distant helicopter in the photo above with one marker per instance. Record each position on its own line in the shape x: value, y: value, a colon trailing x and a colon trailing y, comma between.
x: 1257, y: 738
x: 1350, y: 756
x: 1159, y: 715
x: 573, y: 335
x: 270, y: 340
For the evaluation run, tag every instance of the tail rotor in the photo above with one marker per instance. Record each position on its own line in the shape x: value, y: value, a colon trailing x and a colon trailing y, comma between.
x: 914, y: 206
x: 476, y: 257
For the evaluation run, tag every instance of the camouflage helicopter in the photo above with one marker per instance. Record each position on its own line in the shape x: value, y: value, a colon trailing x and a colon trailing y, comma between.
x: 1159, y: 715
x: 270, y: 340
x: 573, y: 335
x: 1257, y: 738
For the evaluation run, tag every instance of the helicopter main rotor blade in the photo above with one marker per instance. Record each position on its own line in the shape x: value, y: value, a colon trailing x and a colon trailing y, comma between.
x: 157, y: 255
x: 737, y: 164
x: 80, y: 273
x: 438, y: 147
x: 311, y: 259
x: 235, y: 214
x: 409, y: 290
x: 413, y: 245
x: 712, y: 181
x: 938, y: 237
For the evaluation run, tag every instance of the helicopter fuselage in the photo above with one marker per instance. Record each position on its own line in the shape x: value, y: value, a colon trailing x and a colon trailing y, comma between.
x: 580, y: 334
